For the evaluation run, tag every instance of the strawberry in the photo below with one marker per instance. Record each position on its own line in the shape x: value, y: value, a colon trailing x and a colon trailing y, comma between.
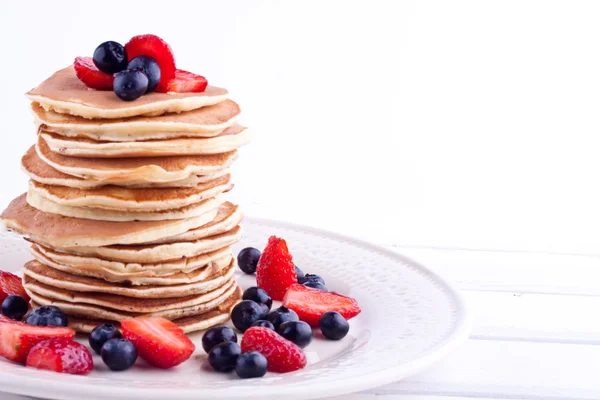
x: 17, y: 338
x: 88, y: 73
x: 185, y: 81
x: 11, y: 284
x: 311, y: 303
x: 282, y: 355
x: 155, y: 47
x: 275, y: 271
x: 158, y: 341
x: 61, y: 355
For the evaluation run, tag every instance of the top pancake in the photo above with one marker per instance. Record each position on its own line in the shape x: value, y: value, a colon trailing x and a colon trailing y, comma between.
x: 64, y: 93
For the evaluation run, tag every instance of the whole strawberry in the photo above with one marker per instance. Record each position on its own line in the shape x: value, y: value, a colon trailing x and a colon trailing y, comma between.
x: 281, y: 354
x: 275, y: 271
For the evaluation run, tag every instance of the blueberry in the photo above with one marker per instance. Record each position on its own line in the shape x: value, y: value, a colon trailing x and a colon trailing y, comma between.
x: 223, y: 357
x: 102, y: 334
x: 245, y: 314
x: 248, y: 259
x: 296, y: 331
x: 251, y: 365
x: 299, y: 272
x: 316, y: 285
x: 333, y: 325
x: 258, y: 295
x: 264, y: 324
x: 264, y: 311
x: 15, y: 307
x: 118, y: 354
x: 129, y: 85
x: 110, y: 57
x: 311, y: 278
x: 217, y: 335
x: 281, y: 315
x: 47, y: 316
x: 148, y: 66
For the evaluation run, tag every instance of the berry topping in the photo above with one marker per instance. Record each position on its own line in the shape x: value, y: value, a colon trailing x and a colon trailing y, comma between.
x: 245, y: 313
x: 264, y: 323
x: 110, y: 57
x: 223, y: 357
x: 311, y: 278
x: 118, y: 354
x: 316, y: 285
x: 155, y: 47
x: 148, y: 66
x: 159, y: 341
x: 248, y: 259
x: 11, y: 284
x: 281, y: 354
x: 281, y: 315
x: 101, y: 334
x: 89, y: 74
x: 275, y: 271
x: 251, y: 365
x: 299, y: 273
x: 185, y: 81
x: 311, y: 304
x: 333, y: 325
x: 296, y: 331
x: 258, y: 295
x: 130, y: 84
x: 15, y: 307
x: 264, y: 311
x: 17, y: 338
x: 47, y: 316
x: 61, y: 355
x: 217, y: 335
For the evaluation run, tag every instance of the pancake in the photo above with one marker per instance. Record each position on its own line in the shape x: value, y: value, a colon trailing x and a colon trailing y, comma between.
x: 208, y: 206
x: 64, y: 93
x: 203, y: 122
x: 228, y: 140
x: 63, y: 232
x: 146, y: 169
x: 118, y: 198
x: 41, y: 172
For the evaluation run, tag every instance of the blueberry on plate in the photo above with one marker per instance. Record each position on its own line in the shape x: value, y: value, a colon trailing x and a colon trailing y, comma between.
x: 248, y: 259
x: 223, y: 357
x: 47, y: 316
x: 129, y: 85
x: 311, y: 278
x: 110, y: 57
x: 148, y: 66
x: 251, y: 365
x: 15, y: 307
x: 299, y: 272
x: 102, y: 334
x: 217, y: 335
x: 298, y: 332
x: 245, y: 313
x: 316, y: 285
x: 264, y: 324
x: 265, y: 311
x: 118, y: 354
x: 258, y: 295
x: 281, y: 315
x: 333, y: 325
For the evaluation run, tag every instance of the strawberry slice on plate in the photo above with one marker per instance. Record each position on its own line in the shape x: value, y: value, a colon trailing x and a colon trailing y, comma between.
x: 61, y: 355
x: 275, y: 271
x: 155, y: 47
x: 281, y: 354
x: 310, y: 304
x: 159, y: 341
x: 11, y: 284
x: 185, y: 81
x: 17, y: 338
x: 88, y: 73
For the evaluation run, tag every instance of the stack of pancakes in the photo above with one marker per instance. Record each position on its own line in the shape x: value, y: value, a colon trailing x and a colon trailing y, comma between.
x: 126, y: 208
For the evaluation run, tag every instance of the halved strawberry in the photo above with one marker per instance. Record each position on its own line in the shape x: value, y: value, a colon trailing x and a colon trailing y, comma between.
x: 11, y: 284
x: 17, y: 338
x: 159, y: 341
x: 275, y: 271
x: 281, y: 354
x: 155, y: 47
x: 311, y: 303
x: 88, y: 73
x: 185, y: 81
x: 61, y: 355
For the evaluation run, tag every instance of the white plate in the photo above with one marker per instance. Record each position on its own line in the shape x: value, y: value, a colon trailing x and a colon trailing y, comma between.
x: 410, y: 319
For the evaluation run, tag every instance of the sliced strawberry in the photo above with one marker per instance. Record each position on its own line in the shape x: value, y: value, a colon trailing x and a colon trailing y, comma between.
x: 17, y: 338
x: 158, y: 341
x: 155, y: 47
x: 11, y: 284
x: 281, y: 354
x: 185, y: 81
x: 275, y: 271
x: 61, y: 355
x: 311, y: 303
x: 88, y: 73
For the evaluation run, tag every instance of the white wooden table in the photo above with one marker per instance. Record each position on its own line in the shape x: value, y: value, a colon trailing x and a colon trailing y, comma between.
x: 536, y: 331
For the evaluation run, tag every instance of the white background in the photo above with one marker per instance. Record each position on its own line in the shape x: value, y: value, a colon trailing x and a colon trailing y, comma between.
x: 457, y: 124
